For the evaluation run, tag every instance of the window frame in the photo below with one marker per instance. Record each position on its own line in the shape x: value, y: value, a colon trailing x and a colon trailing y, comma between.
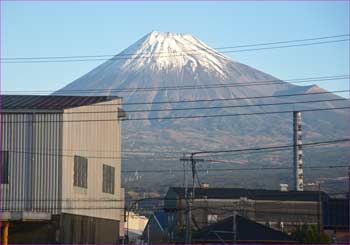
x: 108, y: 179
x: 80, y: 172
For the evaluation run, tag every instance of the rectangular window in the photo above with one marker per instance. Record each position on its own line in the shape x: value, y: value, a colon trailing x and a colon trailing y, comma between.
x: 4, y: 167
x: 80, y: 171
x: 108, y: 179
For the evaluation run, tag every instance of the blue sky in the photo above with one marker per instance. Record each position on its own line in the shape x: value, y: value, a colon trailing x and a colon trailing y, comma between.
x: 32, y: 29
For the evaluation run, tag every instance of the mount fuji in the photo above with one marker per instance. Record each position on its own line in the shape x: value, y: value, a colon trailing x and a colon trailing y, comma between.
x: 170, y: 67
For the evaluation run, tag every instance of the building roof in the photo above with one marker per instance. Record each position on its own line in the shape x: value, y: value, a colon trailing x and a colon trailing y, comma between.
x: 162, y: 219
x: 336, y: 214
x: 49, y: 102
x: 246, y: 231
x: 254, y: 194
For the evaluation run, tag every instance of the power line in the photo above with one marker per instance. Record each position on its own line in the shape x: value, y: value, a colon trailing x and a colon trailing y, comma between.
x: 270, y: 147
x: 232, y: 169
x: 206, y: 107
x: 232, y: 99
x: 186, y: 87
x: 146, y: 154
x: 135, y: 200
x: 218, y: 48
x: 169, y: 56
x: 232, y: 115
x: 245, y: 150
x: 237, y: 106
x: 172, y: 117
x: 222, y: 99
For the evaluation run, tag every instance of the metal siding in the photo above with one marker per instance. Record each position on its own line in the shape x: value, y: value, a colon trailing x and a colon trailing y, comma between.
x: 34, y: 161
x: 99, y: 142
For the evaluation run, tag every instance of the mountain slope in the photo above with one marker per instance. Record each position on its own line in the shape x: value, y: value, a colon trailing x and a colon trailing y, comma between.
x: 165, y: 62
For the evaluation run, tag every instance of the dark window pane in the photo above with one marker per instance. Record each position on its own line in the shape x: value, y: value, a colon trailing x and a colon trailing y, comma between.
x: 108, y: 179
x: 4, y: 167
x: 80, y: 171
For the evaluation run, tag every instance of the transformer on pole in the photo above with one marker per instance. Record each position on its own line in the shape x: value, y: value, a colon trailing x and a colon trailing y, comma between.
x: 298, y: 177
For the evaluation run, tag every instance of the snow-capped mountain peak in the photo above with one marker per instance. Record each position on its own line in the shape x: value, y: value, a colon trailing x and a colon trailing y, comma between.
x: 165, y: 50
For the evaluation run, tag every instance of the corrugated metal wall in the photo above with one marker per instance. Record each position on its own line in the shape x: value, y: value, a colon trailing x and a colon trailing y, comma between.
x: 34, y: 142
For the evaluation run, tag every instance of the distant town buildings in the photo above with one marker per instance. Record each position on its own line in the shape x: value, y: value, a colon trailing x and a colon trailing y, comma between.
x: 280, y: 210
x: 61, y: 169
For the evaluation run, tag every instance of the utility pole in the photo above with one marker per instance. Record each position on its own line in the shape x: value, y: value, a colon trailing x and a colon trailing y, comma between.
x: 190, y: 200
x: 193, y: 166
x: 234, y: 227
x: 188, y: 204
x: 319, y: 211
x: 348, y: 201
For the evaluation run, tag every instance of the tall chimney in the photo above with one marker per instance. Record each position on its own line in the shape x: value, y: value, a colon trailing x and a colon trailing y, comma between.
x: 298, y: 152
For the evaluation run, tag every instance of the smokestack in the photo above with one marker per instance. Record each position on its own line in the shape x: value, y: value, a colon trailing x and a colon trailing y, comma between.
x: 298, y: 152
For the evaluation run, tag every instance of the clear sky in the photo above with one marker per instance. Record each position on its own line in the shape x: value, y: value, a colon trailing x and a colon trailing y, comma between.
x: 32, y: 29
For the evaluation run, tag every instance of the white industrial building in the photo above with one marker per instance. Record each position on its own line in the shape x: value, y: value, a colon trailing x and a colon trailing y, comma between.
x: 61, y: 169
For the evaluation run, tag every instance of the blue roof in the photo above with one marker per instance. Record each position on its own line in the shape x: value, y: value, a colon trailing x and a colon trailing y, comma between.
x: 162, y: 219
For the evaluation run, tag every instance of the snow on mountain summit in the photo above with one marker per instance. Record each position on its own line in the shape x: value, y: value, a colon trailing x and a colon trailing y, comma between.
x: 165, y: 50
x: 170, y: 59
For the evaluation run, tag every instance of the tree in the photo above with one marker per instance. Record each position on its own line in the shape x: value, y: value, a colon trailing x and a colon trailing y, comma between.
x: 308, y: 234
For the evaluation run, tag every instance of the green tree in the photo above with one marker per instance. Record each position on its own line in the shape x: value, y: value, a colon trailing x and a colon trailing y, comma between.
x: 308, y: 234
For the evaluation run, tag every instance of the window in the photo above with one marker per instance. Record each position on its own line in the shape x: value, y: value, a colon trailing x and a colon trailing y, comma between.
x: 4, y: 167
x: 108, y: 179
x: 80, y: 171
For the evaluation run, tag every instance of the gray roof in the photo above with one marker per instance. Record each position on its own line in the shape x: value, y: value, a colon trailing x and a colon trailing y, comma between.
x: 247, y: 231
x: 49, y: 102
x: 255, y: 194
